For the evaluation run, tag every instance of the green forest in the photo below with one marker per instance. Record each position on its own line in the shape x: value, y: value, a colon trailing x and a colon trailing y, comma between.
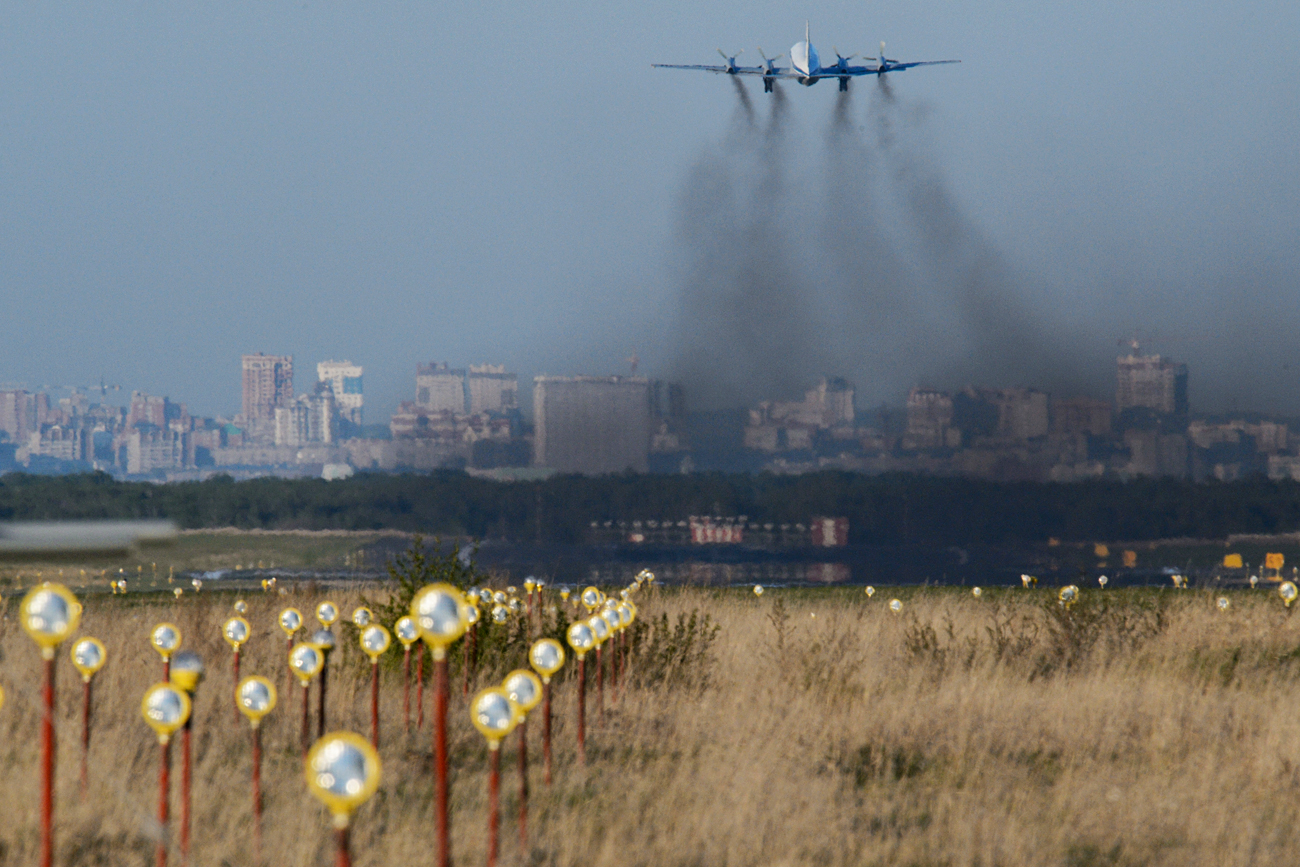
x: 880, y: 509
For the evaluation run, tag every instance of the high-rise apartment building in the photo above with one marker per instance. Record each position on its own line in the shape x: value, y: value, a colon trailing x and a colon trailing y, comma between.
x: 147, y: 409
x: 667, y: 399
x: 268, y: 383
x: 292, y: 424
x: 591, y: 424
x: 322, y: 415
x: 1080, y: 415
x: 59, y: 442
x: 307, y: 419
x: 1022, y: 412
x: 439, y: 388
x: 147, y: 451
x: 1151, y: 382
x: 930, y: 420
x: 16, y: 414
x: 344, y: 379
x: 491, y: 389
x: 22, y: 412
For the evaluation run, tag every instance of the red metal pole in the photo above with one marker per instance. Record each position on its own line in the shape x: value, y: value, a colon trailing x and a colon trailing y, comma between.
x: 406, y: 687
x: 47, y: 765
x: 167, y: 669
x: 374, y: 704
x: 306, y: 717
x: 613, y: 671
x: 546, y: 728
x: 257, y: 794
x: 494, y: 799
x: 440, y: 752
x: 185, y: 791
x: 344, y: 847
x: 419, y: 688
x: 523, y: 786
x: 582, y: 710
x: 320, y: 707
x: 234, y: 690
x: 465, y: 690
x: 164, y: 787
x: 288, y: 649
x: 627, y: 651
x: 473, y: 651
x: 85, y: 738
x: 600, y: 686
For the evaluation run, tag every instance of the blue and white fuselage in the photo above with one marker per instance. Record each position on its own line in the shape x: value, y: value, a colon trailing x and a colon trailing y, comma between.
x: 806, y: 67
x: 804, y: 60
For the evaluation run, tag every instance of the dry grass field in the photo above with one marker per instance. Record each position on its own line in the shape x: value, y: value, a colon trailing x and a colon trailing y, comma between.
x: 819, y: 728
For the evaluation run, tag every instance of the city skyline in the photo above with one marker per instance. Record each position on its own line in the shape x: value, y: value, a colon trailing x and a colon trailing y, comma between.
x: 470, y: 418
x: 1154, y: 370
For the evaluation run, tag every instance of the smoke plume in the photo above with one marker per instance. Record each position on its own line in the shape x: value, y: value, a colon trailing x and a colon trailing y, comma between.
x: 847, y: 254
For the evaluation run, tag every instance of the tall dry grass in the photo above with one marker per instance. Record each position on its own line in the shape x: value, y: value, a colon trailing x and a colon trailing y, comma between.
x: 1142, y: 728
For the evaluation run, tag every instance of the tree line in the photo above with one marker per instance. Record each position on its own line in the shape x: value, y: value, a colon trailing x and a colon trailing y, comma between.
x: 881, y: 509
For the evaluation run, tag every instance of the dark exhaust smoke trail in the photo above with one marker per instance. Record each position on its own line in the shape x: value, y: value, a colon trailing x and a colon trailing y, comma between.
x: 780, y: 108
x: 872, y: 294
x: 745, y: 330
x: 874, y: 274
x: 884, y: 125
x: 746, y: 106
x: 1005, y: 336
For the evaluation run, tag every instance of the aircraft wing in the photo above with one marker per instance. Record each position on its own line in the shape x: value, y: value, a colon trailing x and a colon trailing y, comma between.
x: 895, y: 66
x: 876, y: 68
x: 775, y: 72
x: 729, y: 70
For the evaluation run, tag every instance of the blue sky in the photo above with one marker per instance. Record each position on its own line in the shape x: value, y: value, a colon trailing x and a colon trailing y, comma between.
x: 395, y: 183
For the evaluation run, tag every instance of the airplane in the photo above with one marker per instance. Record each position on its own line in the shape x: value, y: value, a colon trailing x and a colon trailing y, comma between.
x: 805, y: 66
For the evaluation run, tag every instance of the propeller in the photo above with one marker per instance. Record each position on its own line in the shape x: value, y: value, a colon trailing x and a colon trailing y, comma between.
x: 769, y: 62
x: 731, y: 61
x: 840, y: 60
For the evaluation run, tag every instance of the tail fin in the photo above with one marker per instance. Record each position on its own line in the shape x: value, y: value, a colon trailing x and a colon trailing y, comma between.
x: 805, y: 32
x: 882, y: 53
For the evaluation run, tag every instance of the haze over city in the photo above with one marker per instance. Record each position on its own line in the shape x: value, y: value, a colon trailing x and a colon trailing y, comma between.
x: 186, y: 183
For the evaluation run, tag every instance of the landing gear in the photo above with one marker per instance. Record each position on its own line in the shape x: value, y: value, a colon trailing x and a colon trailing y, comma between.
x: 844, y: 83
x: 767, y: 84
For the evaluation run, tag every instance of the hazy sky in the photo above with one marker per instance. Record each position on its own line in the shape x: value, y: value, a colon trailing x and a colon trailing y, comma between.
x: 483, y: 181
